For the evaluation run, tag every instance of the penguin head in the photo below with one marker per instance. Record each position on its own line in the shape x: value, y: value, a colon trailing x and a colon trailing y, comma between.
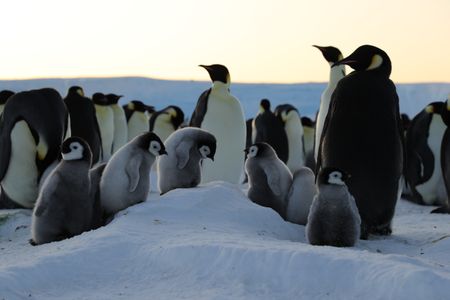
x: 137, y: 105
x: 4, y: 96
x: 207, y: 147
x: 435, y: 107
x: 76, y: 90
x: 218, y: 73
x: 176, y: 115
x: 99, y: 99
x: 260, y: 150
x: 151, y: 142
x: 367, y: 58
x: 76, y: 148
x: 333, y: 176
x: 113, y: 98
x: 264, y: 105
x: 330, y: 53
x: 285, y: 112
x: 307, y: 122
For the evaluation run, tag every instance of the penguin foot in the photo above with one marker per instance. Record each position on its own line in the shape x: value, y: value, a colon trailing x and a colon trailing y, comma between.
x: 441, y: 210
x: 382, y: 230
x: 32, y: 242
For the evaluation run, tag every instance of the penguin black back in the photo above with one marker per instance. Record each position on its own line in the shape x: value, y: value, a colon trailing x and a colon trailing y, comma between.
x: 83, y: 120
x: 270, y: 129
x: 445, y: 158
x: 363, y: 135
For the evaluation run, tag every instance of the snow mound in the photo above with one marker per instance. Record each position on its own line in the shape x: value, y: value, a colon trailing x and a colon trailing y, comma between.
x: 212, y: 242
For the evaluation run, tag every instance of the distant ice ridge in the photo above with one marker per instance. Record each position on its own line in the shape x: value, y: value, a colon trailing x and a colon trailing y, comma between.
x: 160, y: 93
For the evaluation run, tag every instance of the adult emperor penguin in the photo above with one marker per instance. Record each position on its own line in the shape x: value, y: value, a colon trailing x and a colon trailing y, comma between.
x: 363, y: 135
x: 423, y: 149
x: 301, y: 195
x: 64, y: 206
x: 181, y: 167
x: 120, y: 122
x: 308, y: 142
x: 83, y: 121
x: 126, y: 178
x: 166, y: 121
x: 291, y: 120
x: 333, y: 219
x: 105, y: 119
x: 268, y: 177
x: 137, y: 118
x: 32, y: 127
x: 270, y: 129
x: 4, y: 96
x: 337, y: 72
x: 221, y: 114
x: 445, y: 157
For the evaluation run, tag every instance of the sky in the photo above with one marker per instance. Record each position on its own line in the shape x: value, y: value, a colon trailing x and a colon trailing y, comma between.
x: 258, y: 40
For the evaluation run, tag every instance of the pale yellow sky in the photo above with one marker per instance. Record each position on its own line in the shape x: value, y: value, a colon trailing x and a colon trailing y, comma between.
x: 258, y: 40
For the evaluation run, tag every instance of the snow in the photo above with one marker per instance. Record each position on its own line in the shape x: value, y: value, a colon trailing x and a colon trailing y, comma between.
x: 212, y: 242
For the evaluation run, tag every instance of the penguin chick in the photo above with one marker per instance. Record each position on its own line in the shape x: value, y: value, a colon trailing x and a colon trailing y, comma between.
x: 333, y: 218
x: 301, y: 195
x: 126, y: 178
x: 268, y: 177
x: 181, y: 167
x: 64, y: 206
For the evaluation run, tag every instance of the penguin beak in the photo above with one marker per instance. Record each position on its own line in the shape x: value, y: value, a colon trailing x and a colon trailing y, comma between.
x: 211, y: 157
x: 246, y: 151
x: 205, y: 67
x: 319, y: 47
x: 162, y: 152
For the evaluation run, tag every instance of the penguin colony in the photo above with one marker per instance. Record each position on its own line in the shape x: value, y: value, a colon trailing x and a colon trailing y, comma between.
x: 78, y: 161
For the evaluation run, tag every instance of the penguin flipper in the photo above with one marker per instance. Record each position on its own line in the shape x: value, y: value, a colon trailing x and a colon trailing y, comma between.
x: 273, y: 178
x: 132, y: 171
x: 5, y: 148
x: 182, y: 153
x: 200, y: 109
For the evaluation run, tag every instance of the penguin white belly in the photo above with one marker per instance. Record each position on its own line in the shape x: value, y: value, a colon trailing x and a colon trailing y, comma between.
x: 20, y: 181
x: 120, y: 128
x: 308, y: 138
x: 322, y: 115
x: 294, y: 132
x: 163, y: 129
x: 225, y: 120
x: 105, y: 119
x: 430, y: 189
x: 2, y: 107
x: 137, y: 124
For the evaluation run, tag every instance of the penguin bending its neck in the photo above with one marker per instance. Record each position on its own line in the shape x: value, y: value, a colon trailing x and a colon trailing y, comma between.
x: 363, y: 135
x: 337, y: 72
x: 220, y: 113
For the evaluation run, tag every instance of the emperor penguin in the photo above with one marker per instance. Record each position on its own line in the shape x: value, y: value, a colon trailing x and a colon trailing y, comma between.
x: 137, y: 118
x: 333, y: 219
x: 423, y: 149
x: 126, y: 178
x: 221, y: 114
x: 445, y: 158
x: 363, y: 135
x: 270, y: 129
x: 166, y: 121
x: 292, y: 124
x: 64, y: 206
x: 83, y: 121
x: 337, y: 72
x: 32, y: 128
x: 268, y: 177
x: 105, y: 119
x: 4, y: 96
x: 301, y: 195
x: 120, y: 122
x: 186, y: 149
x: 308, y: 142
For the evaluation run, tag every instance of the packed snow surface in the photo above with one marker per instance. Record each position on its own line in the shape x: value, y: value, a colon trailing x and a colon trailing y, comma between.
x: 212, y: 242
